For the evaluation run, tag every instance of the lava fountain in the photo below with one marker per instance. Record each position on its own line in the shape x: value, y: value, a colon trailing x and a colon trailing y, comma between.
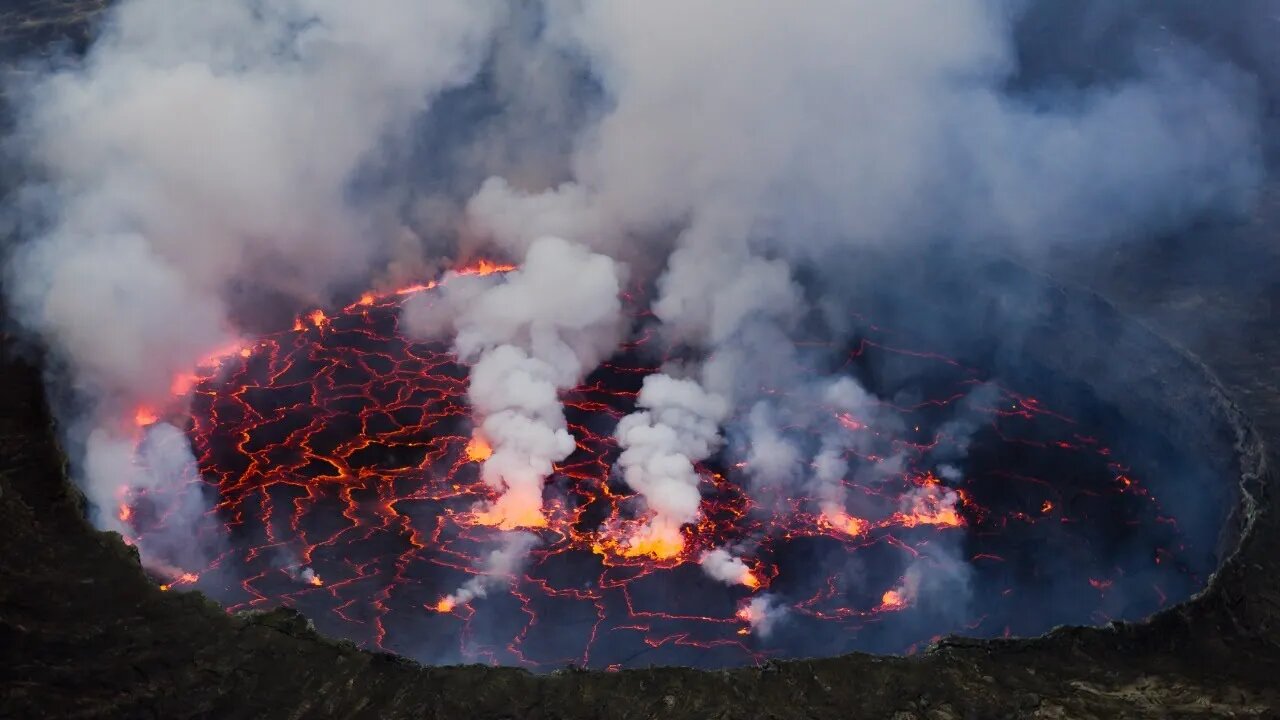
x: 345, y: 471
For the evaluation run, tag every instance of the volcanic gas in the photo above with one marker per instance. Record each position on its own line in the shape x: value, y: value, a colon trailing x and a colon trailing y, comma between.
x: 346, y: 474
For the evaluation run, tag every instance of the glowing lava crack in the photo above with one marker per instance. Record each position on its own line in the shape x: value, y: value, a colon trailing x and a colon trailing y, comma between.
x: 345, y: 471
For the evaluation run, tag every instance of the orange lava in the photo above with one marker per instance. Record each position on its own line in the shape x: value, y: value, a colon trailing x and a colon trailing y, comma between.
x: 485, y: 267
x: 892, y: 600
x: 409, y: 397
x: 846, y: 523
x: 932, y: 505
x: 660, y: 542
x: 186, y: 578
x: 145, y: 416
x: 510, y: 515
x: 478, y: 450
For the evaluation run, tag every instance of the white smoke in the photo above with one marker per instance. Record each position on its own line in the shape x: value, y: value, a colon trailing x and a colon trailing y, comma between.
x: 846, y: 123
x: 200, y: 150
x: 677, y: 425
x: 719, y: 564
x: 768, y: 131
x: 498, y: 567
x: 762, y: 613
x: 531, y: 334
x: 160, y: 473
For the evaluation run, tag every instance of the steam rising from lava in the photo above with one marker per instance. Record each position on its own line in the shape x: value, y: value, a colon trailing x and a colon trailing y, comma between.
x: 206, y: 161
x: 678, y: 426
x: 531, y: 334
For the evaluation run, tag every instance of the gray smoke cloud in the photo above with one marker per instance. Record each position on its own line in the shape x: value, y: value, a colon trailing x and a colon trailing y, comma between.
x: 200, y: 149
x: 775, y: 135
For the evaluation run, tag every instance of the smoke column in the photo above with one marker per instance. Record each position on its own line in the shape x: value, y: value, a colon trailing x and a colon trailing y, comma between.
x: 531, y: 334
x: 499, y: 565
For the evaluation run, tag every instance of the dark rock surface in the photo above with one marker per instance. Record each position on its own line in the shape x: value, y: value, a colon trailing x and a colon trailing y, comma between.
x: 83, y: 633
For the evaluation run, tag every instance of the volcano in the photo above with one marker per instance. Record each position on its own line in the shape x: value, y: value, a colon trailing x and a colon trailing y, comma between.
x: 344, y: 473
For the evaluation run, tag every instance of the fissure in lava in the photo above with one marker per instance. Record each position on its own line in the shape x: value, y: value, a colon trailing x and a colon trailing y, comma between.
x: 346, y: 478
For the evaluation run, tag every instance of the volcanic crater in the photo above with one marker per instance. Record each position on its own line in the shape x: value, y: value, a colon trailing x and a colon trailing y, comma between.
x: 1011, y: 476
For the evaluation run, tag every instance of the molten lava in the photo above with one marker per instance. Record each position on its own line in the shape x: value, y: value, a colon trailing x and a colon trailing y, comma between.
x: 478, y: 449
x: 343, y: 446
x: 655, y: 540
x: 144, y: 416
x: 892, y: 600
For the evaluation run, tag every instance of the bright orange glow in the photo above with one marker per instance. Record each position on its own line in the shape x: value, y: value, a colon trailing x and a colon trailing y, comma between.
x: 846, y: 523
x: 661, y: 542
x: 892, y: 600
x: 932, y: 505
x: 125, y: 513
x: 750, y: 580
x: 485, y: 267
x: 145, y: 416
x: 445, y: 605
x: 1046, y: 507
x: 186, y: 578
x: 246, y: 352
x: 318, y: 318
x: 478, y: 450
x: 509, y: 514
x: 315, y: 580
x: 366, y: 299
x: 942, y: 517
x: 409, y: 290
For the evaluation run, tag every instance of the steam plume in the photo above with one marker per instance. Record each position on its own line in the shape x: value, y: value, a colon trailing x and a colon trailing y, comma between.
x: 531, y: 334
x: 678, y: 426
x: 499, y: 567
x: 721, y: 565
